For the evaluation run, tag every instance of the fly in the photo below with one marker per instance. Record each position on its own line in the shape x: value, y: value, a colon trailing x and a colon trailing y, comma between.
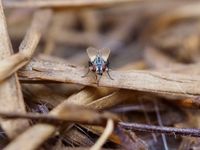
x: 98, y: 62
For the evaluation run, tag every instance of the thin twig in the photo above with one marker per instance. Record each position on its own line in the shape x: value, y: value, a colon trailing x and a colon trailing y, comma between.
x: 74, y: 114
x: 157, y: 129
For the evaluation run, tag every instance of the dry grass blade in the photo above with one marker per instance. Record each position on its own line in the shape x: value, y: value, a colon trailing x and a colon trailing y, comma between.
x: 112, y: 99
x: 10, y: 90
x: 148, y: 81
x: 64, y: 3
x: 87, y: 95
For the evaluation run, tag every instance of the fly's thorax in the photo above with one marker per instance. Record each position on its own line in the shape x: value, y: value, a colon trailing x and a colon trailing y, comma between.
x: 99, y: 60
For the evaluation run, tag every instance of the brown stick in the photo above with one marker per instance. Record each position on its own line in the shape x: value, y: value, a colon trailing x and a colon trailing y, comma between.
x: 148, y: 81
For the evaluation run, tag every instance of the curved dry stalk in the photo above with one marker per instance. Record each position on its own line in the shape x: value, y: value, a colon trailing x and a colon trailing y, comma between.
x: 64, y: 3
x: 107, y: 132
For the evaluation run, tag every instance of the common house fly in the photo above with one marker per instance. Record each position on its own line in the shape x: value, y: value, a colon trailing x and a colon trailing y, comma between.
x: 98, y: 62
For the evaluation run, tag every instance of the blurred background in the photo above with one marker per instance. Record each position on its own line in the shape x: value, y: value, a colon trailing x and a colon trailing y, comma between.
x: 129, y: 30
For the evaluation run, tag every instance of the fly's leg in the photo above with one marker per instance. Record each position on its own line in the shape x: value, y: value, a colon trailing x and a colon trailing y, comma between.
x: 86, y: 74
x: 98, y: 79
x: 107, y: 70
x: 89, y: 65
x: 109, y: 74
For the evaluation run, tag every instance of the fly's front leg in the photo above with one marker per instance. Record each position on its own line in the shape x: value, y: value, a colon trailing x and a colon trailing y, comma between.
x: 109, y: 74
x: 89, y: 65
x: 107, y: 70
x: 86, y: 74
x: 98, y: 77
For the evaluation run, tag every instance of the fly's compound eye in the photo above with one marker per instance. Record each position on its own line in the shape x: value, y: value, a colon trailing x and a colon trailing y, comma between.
x: 94, y: 68
x: 90, y: 66
x: 104, y: 68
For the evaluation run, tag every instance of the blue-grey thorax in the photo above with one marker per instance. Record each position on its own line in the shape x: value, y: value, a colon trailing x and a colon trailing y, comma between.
x: 99, y: 63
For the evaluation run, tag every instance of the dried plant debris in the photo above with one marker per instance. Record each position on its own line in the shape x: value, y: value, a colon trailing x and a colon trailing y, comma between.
x: 10, y: 90
x: 138, y: 89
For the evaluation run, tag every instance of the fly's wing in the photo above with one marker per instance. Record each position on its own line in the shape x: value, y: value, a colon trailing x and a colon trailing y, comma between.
x: 92, y: 53
x: 105, y: 52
